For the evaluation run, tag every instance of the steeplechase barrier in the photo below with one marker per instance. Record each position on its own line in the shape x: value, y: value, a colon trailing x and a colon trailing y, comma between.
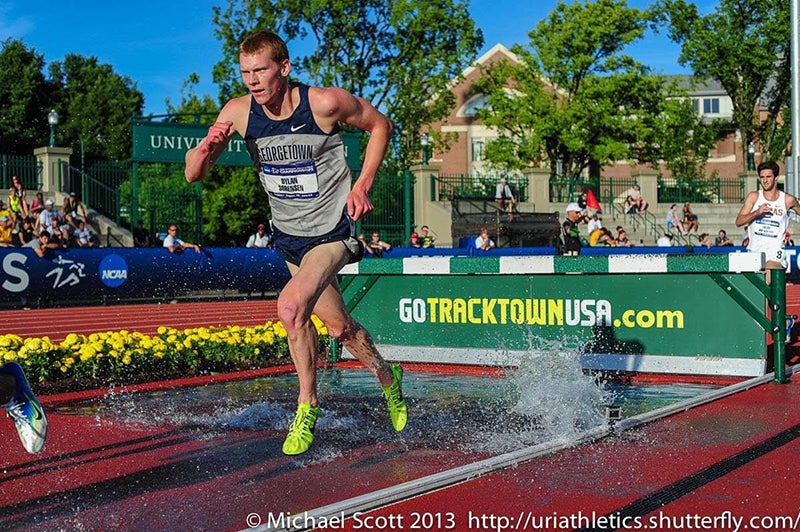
x: 693, y: 314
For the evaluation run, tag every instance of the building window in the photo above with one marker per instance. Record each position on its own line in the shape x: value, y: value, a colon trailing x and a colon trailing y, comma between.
x: 478, y: 146
x: 696, y: 105
x: 711, y: 106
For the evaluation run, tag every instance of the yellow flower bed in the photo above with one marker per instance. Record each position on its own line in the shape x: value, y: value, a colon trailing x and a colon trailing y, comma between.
x: 121, y: 354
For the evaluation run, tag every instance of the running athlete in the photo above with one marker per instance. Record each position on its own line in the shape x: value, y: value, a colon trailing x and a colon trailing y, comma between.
x: 292, y: 134
x: 766, y: 213
x: 22, y: 407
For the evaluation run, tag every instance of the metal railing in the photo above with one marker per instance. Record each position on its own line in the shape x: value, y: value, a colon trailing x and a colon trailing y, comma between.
x: 635, y: 222
x: 446, y: 187
x: 671, y: 190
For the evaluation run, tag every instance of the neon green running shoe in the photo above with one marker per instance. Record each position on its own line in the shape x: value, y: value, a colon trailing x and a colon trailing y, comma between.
x: 26, y: 411
x: 301, y: 431
x: 394, y: 398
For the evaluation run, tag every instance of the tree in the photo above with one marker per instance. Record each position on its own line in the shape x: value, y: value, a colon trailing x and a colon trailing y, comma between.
x: 233, y: 199
x: 96, y: 106
x: 683, y: 141
x: 193, y: 108
x: 401, y: 55
x: 574, y: 98
x: 24, y: 99
x: 744, y: 45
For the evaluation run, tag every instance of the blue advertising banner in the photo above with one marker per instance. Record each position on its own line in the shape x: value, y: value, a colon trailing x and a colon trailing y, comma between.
x: 136, y: 272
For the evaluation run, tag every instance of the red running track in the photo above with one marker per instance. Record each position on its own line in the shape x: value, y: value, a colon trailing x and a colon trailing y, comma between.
x: 738, y: 455
x: 57, y: 323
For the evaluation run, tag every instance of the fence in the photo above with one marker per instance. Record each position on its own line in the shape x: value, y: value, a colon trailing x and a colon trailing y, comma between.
x: 447, y: 187
x: 392, y: 197
x: 28, y: 169
x: 672, y: 190
x: 108, y: 188
x: 715, y: 190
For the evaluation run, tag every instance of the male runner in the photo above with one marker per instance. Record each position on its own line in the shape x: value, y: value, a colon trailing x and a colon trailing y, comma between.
x: 766, y: 213
x: 292, y: 134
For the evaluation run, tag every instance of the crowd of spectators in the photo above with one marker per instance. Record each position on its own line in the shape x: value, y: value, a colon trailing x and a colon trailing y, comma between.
x: 40, y: 225
x: 22, y: 224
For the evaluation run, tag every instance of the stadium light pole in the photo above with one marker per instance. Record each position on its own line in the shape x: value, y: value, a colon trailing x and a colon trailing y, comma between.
x: 52, y: 119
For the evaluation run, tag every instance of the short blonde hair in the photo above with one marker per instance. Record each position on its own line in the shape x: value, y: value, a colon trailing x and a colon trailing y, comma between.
x: 265, y: 40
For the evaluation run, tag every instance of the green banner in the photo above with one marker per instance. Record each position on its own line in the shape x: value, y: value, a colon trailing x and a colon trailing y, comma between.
x: 159, y: 142
x: 686, y: 315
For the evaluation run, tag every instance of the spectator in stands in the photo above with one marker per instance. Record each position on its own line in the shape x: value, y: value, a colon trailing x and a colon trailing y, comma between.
x: 504, y: 197
x: 414, y: 241
x: 630, y: 205
x: 636, y: 201
x: 570, y: 233
x: 6, y: 228
x: 260, y: 239
x: 483, y: 241
x: 175, y: 244
x: 59, y: 234
x: 19, y: 189
x: 787, y: 239
x: 602, y: 238
x: 722, y: 239
x: 73, y: 210
x: 47, y: 215
x: 376, y: 247
x: 583, y: 201
x: 664, y: 241
x: 427, y: 236
x: 17, y: 201
x: 594, y: 223
x: 37, y: 205
x: 704, y: 241
x: 689, y: 219
x: 141, y: 236
x: 25, y: 234
x: 40, y: 244
x: 17, y: 205
x: 673, y: 222
x: 622, y: 239
x: 84, y: 237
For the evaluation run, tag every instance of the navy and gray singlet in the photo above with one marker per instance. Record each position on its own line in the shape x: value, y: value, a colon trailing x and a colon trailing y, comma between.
x: 303, y: 169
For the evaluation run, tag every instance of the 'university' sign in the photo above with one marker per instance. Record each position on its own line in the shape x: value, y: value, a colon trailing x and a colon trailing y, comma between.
x: 158, y: 142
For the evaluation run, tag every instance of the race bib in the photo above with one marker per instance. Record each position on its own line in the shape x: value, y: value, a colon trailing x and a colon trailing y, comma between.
x: 767, y: 227
x: 291, y: 181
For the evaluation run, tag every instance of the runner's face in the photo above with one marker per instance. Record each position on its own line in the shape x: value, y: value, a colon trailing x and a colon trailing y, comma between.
x: 768, y: 180
x: 264, y: 77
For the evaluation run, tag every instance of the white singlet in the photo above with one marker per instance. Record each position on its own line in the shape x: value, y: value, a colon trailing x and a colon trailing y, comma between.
x: 766, y: 233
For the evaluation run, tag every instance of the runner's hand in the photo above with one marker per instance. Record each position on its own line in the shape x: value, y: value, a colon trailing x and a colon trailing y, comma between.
x: 358, y: 204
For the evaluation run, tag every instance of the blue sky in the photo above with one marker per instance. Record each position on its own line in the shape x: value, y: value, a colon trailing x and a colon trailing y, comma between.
x: 159, y: 44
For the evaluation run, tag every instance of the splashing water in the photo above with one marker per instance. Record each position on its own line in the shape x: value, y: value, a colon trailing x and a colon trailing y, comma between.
x: 547, y: 397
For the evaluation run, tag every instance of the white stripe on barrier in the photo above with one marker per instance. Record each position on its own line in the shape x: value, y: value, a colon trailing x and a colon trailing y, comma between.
x: 426, y: 265
x: 746, y: 262
x: 637, y: 263
x: 527, y: 264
